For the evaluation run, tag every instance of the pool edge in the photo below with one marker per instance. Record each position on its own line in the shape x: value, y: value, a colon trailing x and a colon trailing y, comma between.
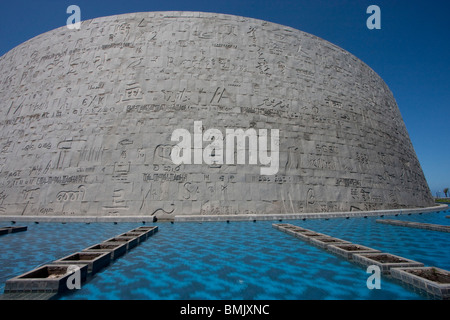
x: 213, y: 218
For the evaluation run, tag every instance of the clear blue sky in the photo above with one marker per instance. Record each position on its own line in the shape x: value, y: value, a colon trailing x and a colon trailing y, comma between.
x: 411, y: 51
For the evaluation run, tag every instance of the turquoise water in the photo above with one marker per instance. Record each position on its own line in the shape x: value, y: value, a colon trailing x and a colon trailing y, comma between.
x: 230, y: 261
x: 45, y: 242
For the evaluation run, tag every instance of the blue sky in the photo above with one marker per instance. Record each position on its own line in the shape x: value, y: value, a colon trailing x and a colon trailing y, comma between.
x: 411, y: 51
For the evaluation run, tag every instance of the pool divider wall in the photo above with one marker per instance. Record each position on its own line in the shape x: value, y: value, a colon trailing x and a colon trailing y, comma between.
x: 140, y: 236
x: 130, y: 242
x: 94, y: 260
x: 52, y: 278
x: 324, y: 242
x: 300, y: 216
x: 417, y: 225
x: 347, y: 250
x: 385, y: 261
x: 115, y: 250
x: 435, y: 289
x: 49, y: 278
x: 8, y: 230
x: 390, y: 265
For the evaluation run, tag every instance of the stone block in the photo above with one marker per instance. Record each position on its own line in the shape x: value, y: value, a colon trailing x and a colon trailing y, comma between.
x: 47, y: 278
x: 385, y: 261
x: 115, y: 249
x: 347, y: 250
x: 431, y: 280
x: 325, y: 242
x: 6, y: 230
x: 130, y: 242
x: 94, y: 260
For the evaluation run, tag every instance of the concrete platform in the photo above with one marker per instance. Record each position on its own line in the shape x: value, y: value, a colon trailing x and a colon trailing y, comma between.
x: 116, y: 250
x: 8, y: 230
x: 385, y: 261
x: 305, y: 216
x: 398, y: 267
x: 433, y: 281
x: 130, y: 242
x: 347, y: 250
x: 95, y: 260
x: 146, y: 232
x: 140, y: 236
x: 325, y: 242
x: 51, y: 278
x: 46, y: 282
x: 308, y: 235
x: 417, y: 225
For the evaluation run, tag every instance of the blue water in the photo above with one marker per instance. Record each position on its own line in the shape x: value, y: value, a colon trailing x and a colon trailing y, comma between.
x: 237, y: 260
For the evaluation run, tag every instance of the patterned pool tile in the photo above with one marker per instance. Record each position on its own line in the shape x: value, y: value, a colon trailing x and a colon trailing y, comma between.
x: 238, y: 260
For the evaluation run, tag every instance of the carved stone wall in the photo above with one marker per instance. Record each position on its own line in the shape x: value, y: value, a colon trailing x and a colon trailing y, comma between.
x: 87, y: 117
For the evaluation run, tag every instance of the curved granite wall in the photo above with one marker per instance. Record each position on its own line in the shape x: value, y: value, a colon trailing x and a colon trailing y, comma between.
x: 87, y: 118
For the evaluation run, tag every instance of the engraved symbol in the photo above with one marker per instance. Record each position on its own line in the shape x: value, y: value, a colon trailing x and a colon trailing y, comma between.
x: 3, y: 196
x: 64, y: 196
x: 135, y: 63
x: 252, y: 33
x: 175, y: 97
x: 17, y: 109
x: 203, y: 35
x: 164, y: 211
x: 162, y: 154
x: 218, y: 95
x: 91, y: 154
x: 118, y: 201
x: 143, y: 23
x: 145, y: 197
x: 124, y: 29
x: 229, y: 30
x: 68, y: 143
x: 310, y: 197
x: 289, y: 203
x: 125, y: 142
x: 61, y: 157
x: 99, y: 62
x: 293, y: 159
x: 132, y: 92
x: 191, y: 190
x: 122, y: 168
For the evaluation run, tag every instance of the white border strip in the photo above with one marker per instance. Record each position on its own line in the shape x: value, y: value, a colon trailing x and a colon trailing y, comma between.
x: 299, y: 216
x: 208, y: 218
